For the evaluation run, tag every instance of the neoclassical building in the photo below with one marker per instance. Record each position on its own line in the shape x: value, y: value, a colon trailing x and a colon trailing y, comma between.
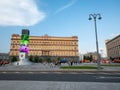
x: 48, y: 46
x: 113, y: 47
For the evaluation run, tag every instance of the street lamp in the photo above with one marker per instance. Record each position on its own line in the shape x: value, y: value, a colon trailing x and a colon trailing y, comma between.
x: 96, y: 16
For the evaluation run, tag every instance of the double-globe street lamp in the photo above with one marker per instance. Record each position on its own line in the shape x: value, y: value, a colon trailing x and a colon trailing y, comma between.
x: 96, y: 16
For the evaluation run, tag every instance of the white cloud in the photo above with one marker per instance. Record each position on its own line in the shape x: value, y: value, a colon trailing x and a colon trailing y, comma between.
x: 19, y: 13
x: 114, y: 35
x: 72, y: 2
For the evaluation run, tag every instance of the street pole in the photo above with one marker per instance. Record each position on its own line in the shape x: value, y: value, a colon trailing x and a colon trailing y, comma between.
x: 98, y: 55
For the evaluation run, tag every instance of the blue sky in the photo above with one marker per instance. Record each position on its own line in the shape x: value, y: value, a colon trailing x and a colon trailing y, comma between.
x: 60, y: 18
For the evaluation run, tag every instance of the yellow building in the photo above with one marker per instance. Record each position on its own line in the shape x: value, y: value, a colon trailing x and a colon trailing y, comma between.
x: 48, y: 46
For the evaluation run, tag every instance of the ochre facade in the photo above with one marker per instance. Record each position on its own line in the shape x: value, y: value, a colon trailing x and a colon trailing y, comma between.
x: 50, y: 46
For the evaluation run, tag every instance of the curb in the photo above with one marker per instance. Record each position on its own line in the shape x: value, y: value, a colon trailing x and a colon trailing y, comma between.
x: 91, y: 71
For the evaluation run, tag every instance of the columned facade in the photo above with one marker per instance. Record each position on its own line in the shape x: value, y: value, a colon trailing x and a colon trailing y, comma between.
x: 113, y: 47
x: 48, y: 46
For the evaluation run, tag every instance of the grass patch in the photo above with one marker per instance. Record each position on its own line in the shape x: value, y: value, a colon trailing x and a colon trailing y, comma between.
x: 78, y: 67
x: 111, y: 65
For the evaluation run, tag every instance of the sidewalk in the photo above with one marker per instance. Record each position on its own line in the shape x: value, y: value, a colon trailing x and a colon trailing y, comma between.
x: 47, y: 68
x: 51, y: 85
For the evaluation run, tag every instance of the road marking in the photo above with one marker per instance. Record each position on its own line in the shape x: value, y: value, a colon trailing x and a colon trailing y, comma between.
x: 111, y: 77
x: 43, y: 72
x: 17, y: 72
x: 74, y: 73
x: 103, y: 77
x: 30, y: 72
x: 58, y: 72
x: 4, y: 72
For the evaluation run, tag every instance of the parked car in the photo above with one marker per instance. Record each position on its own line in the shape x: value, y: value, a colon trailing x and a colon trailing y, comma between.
x: 94, y: 61
x: 3, y: 62
x: 116, y: 61
x: 105, y: 61
x: 86, y: 61
x: 63, y: 61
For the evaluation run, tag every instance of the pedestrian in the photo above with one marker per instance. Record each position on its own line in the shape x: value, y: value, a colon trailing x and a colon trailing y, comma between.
x: 17, y: 63
x: 71, y: 63
x: 51, y: 65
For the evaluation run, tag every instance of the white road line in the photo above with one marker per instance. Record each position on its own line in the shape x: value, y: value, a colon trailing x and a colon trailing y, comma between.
x: 111, y: 77
x: 17, y: 72
x: 44, y: 72
x: 30, y: 72
x: 4, y: 72
x: 103, y: 77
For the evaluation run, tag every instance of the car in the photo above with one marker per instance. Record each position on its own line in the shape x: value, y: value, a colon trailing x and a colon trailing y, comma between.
x: 63, y: 61
x: 86, y: 61
x: 1, y: 62
x: 94, y: 61
x: 5, y: 62
x: 116, y: 61
x: 105, y: 61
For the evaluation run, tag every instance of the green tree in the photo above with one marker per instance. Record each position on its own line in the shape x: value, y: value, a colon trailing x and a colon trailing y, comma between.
x: 84, y: 58
x: 31, y: 58
x: 91, y: 58
x: 40, y: 60
x: 48, y: 60
x: 87, y: 57
x: 36, y: 59
x: 58, y: 59
x: 14, y: 59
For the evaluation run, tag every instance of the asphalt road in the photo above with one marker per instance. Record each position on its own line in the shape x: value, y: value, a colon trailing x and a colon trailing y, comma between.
x: 60, y: 76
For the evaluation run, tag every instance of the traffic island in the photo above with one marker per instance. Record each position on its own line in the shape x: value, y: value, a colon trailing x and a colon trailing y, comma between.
x: 79, y: 67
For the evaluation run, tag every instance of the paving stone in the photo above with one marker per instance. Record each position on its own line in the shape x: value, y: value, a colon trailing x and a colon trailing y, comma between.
x: 50, y: 85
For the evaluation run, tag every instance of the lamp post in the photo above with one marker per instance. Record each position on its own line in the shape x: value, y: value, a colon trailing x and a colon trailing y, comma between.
x: 96, y: 16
